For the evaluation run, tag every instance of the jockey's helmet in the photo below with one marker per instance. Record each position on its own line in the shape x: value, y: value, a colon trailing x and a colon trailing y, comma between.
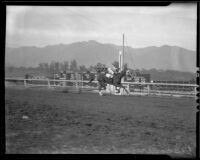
x: 110, y: 71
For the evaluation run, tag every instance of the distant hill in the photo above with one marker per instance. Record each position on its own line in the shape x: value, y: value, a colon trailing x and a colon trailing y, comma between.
x: 91, y: 52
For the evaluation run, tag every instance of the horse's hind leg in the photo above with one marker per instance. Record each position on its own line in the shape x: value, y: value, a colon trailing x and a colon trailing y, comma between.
x: 100, y: 93
x: 121, y: 86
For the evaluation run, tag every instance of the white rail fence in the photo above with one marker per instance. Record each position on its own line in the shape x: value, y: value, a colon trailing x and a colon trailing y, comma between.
x: 133, y: 87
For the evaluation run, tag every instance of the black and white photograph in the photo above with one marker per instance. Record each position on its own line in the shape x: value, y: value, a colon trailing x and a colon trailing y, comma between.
x: 101, y: 79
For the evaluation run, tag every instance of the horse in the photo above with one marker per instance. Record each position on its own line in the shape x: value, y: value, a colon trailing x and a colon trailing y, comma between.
x: 115, y: 81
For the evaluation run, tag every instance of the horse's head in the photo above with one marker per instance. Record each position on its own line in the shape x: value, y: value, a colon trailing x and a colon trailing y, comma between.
x: 127, y: 72
x: 123, y: 72
x: 131, y: 73
x: 90, y: 76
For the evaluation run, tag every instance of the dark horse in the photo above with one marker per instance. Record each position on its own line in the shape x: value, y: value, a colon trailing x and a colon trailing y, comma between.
x: 115, y: 81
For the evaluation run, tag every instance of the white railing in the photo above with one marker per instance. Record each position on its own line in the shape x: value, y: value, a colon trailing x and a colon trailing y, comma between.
x: 27, y: 82
x: 149, y: 87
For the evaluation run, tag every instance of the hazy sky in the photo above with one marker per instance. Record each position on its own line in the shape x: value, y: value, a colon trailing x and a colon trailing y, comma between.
x: 142, y: 26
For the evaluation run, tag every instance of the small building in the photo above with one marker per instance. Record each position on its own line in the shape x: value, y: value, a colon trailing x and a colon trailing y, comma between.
x: 144, y: 78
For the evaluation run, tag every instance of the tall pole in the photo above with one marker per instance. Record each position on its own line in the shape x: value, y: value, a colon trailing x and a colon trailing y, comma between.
x: 123, y: 54
x: 122, y: 58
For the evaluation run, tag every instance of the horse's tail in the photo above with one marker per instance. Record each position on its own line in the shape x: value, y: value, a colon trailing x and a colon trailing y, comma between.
x: 91, y: 77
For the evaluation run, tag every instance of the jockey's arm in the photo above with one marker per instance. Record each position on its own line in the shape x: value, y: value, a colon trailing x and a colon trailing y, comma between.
x: 110, y: 71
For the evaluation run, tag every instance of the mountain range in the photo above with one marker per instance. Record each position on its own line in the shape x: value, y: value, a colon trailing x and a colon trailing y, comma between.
x: 91, y: 52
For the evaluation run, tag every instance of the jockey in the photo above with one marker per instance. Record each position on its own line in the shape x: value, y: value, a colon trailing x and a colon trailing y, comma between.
x: 112, y: 71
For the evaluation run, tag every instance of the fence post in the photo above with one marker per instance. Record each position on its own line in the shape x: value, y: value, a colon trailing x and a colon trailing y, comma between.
x: 25, y: 84
x: 128, y: 87
x: 76, y: 83
x: 82, y: 81
x: 195, y: 92
x: 48, y: 83
x: 148, y: 87
x: 64, y: 83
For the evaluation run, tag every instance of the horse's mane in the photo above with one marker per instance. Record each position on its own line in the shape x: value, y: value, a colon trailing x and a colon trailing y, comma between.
x: 123, y: 72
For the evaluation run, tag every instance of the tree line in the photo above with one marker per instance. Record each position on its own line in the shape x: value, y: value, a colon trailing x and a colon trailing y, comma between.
x: 56, y: 67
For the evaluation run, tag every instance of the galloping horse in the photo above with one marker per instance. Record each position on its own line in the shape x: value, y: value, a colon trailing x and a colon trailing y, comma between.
x: 115, y: 81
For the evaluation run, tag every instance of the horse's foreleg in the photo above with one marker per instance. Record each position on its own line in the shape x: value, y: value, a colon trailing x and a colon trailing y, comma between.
x: 121, y: 86
x: 126, y: 91
x: 100, y: 92
x: 90, y: 81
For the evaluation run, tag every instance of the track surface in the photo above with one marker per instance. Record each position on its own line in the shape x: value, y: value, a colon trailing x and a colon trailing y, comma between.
x: 87, y: 123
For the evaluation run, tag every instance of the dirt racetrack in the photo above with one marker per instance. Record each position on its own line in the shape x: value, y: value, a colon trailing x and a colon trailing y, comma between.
x: 60, y: 122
